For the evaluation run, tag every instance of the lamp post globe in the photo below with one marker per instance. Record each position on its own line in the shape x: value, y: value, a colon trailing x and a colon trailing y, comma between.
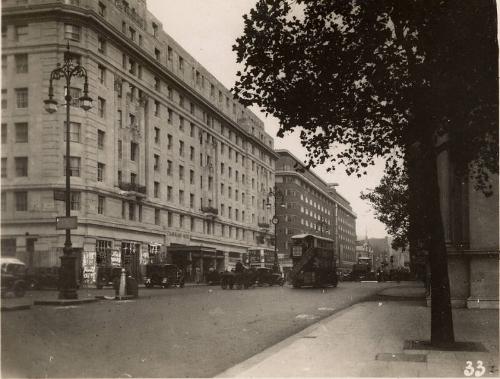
x: 50, y: 106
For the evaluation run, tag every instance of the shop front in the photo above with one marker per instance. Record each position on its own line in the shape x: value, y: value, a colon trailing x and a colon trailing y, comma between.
x: 196, y: 261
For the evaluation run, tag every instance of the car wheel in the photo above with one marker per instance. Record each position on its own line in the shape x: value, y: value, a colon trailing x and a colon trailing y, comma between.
x: 19, y: 290
x: 223, y: 285
x: 181, y: 285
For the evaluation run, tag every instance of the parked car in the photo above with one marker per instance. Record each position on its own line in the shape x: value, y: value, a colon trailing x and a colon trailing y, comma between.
x: 43, y: 277
x: 268, y: 276
x: 106, y: 275
x: 164, y: 275
x: 13, y: 277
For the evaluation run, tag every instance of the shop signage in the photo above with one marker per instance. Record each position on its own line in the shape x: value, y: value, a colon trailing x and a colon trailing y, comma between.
x: 177, y: 234
x: 59, y: 195
x: 70, y: 222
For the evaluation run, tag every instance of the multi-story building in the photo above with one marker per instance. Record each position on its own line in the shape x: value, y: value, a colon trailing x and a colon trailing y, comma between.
x: 166, y: 164
x: 312, y: 206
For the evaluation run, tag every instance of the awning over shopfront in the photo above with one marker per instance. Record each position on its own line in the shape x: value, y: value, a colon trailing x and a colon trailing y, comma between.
x: 195, y: 251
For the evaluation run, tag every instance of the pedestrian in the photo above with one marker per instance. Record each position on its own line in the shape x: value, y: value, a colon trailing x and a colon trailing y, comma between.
x: 197, y: 274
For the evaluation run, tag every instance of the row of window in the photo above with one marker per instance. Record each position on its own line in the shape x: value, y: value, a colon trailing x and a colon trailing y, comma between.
x: 310, y: 213
x: 20, y: 164
x: 74, y: 32
x: 21, y: 63
x: 20, y: 132
x: 238, y: 140
x: 21, y: 170
x: 21, y: 95
x: 198, y: 79
x: 133, y: 211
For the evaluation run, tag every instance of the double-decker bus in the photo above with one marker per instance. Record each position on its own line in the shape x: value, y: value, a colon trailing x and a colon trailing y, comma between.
x: 314, y: 262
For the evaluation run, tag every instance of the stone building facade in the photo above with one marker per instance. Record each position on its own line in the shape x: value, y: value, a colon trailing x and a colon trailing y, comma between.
x: 471, y: 227
x: 166, y: 166
x: 312, y: 206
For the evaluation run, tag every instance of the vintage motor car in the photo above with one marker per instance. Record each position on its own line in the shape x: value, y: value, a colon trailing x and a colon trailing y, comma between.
x: 106, y: 275
x: 43, y: 277
x: 164, y: 275
x: 270, y: 277
x: 13, y: 277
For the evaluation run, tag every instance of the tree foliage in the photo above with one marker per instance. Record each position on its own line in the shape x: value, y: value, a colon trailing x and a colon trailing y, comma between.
x: 353, y: 74
x: 367, y: 79
x: 390, y: 202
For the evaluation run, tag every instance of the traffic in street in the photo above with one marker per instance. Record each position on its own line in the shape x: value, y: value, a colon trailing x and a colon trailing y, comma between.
x: 196, y: 331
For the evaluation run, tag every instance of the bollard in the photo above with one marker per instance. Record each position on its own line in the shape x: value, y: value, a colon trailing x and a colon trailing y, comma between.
x: 123, y: 279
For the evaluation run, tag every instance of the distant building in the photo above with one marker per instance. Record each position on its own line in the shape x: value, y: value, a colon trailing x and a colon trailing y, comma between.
x: 399, y: 258
x: 312, y: 206
x: 365, y: 251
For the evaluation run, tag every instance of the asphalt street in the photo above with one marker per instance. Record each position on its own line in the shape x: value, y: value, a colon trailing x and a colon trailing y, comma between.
x: 176, y: 332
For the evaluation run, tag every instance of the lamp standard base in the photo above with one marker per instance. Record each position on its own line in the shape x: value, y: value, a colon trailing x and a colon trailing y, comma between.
x: 67, y: 277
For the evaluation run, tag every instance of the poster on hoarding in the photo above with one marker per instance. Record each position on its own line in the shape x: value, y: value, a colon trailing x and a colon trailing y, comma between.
x: 116, y: 258
x: 144, y: 257
x: 89, y: 267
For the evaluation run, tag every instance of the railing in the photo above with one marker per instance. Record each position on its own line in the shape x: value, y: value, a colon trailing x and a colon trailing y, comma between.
x: 132, y: 187
x: 263, y: 225
x: 211, y: 210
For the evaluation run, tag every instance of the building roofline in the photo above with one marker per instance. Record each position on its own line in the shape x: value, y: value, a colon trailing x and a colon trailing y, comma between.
x: 89, y: 17
x: 280, y: 151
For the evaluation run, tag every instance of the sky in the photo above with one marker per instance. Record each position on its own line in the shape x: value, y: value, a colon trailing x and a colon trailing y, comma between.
x: 207, y: 29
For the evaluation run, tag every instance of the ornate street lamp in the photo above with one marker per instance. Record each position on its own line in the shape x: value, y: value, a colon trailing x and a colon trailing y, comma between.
x: 70, y: 69
x: 278, y: 195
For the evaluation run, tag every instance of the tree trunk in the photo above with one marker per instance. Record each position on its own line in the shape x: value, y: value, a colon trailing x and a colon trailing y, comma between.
x: 441, y: 314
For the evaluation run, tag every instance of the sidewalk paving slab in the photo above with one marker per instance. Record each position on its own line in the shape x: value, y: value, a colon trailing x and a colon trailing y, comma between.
x: 347, y: 343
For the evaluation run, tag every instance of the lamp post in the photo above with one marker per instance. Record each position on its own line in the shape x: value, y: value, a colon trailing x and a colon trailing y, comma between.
x: 277, y: 194
x: 70, y: 69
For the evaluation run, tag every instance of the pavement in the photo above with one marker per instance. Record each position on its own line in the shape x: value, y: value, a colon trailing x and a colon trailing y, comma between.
x: 368, y: 340
x: 50, y: 297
